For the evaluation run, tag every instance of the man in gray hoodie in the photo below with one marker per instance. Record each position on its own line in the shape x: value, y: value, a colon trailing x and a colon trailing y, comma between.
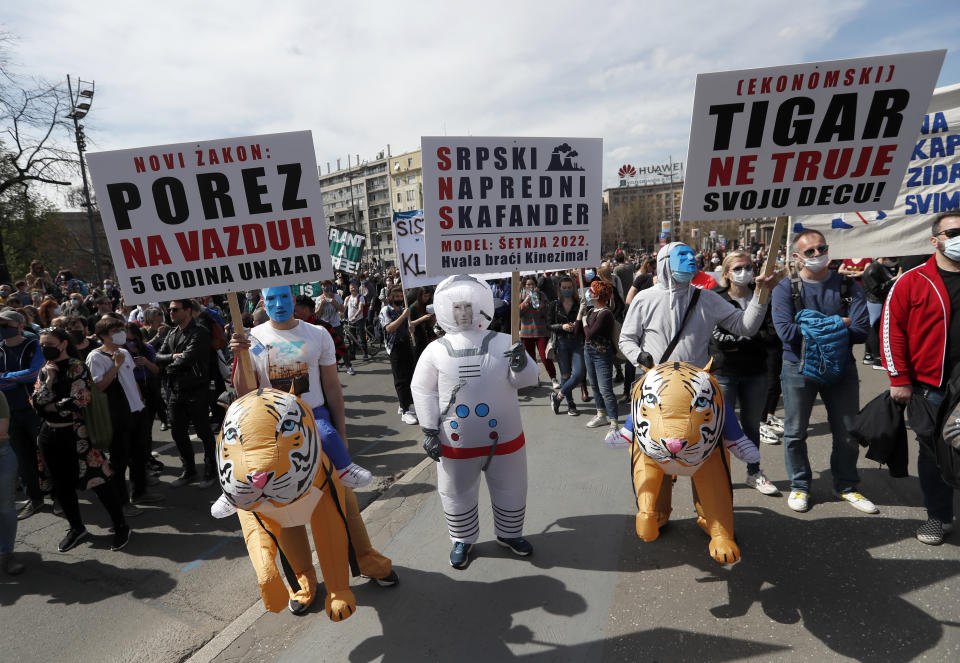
x: 656, y: 313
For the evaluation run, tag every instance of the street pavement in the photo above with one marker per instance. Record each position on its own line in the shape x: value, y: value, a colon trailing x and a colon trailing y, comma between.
x: 830, y: 584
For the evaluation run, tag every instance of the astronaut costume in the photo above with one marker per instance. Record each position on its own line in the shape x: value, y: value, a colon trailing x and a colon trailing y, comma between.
x: 465, y: 393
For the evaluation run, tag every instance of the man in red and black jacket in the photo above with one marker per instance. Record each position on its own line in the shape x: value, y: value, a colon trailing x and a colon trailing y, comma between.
x: 920, y: 347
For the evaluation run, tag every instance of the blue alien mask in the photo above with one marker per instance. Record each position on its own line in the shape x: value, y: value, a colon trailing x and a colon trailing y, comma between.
x: 683, y: 263
x: 279, y: 303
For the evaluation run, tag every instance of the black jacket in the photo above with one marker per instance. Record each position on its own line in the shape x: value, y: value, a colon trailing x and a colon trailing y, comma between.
x: 880, y: 427
x: 189, y: 373
x: 877, y: 281
x: 741, y: 355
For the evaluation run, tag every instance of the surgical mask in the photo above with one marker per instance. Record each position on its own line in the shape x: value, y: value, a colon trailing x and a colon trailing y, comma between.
x: 589, y: 274
x: 683, y: 277
x: 743, y: 277
x: 50, y: 352
x: 119, y: 338
x: 8, y: 332
x: 951, y: 248
x: 566, y: 293
x: 817, y: 264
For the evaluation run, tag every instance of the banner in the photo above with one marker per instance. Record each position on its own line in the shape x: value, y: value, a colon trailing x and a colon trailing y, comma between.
x: 931, y: 186
x: 411, y: 259
x: 495, y: 204
x: 195, y: 219
x: 820, y: 137
x: 308, y: 289
x: 346, y: 250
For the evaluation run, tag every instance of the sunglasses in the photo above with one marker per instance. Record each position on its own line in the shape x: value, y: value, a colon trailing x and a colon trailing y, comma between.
x: 820, y: 250
x: 174, y: 309
x: 950, y: 233
x: 738, y: 270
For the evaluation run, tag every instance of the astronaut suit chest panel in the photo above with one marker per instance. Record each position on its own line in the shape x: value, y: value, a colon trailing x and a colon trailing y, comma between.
x: 484, y: 407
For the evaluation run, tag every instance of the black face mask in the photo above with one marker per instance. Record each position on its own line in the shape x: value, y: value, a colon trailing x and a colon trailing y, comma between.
x: 50, y: 353
x: 398, y: 303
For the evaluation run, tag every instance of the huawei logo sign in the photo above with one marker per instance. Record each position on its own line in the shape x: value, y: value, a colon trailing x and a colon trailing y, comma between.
x: 627, y: 171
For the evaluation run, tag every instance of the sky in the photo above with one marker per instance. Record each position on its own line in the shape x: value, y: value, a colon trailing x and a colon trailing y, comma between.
x: 361, y: 76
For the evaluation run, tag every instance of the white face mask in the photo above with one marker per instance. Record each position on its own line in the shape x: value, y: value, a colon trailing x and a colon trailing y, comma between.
x: 742, y: 277
x: 817, y: 264
x: 119, y: 338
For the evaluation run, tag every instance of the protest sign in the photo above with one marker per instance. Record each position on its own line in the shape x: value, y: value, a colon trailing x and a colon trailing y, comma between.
x: 411, y: 257
x: 803, y: 139
x: 194, y: 219
x: 346, y: 250
x: 308, y: 289
x: 930, y: 186
x: 510, y: 203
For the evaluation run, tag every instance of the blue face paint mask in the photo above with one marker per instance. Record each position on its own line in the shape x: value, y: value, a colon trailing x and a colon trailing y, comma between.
x: 279, y: 303
x: 683, y: 263
x: 589, y: 275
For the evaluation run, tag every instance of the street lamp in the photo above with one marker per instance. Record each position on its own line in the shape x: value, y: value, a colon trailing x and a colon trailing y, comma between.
x: 79, y: 107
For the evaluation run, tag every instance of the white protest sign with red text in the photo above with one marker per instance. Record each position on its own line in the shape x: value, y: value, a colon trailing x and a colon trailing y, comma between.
x: 493, y: 204
x: 194, y: 219
x: 801, y: 139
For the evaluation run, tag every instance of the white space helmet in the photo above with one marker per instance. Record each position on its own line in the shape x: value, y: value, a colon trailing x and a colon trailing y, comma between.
x: 463, y: 303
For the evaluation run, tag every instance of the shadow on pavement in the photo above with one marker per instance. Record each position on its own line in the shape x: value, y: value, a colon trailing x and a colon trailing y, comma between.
x: 673, y: 644
x: 478, y: 616
x: 70, y: 582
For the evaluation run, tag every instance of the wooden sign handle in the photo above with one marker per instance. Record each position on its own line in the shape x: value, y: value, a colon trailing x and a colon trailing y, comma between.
x: 244, y: 365
x: 515, y: 308
x: 770, y: 266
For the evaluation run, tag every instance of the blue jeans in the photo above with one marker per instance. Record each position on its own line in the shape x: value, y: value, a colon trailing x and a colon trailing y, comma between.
x: 569, y: 354
x: 937, y: 494
x: 8, y: 512
x: 330, y: 440
x: 874, y: 311
x: 842, y: 401
x: 750, y: 391
x: 600, y: 375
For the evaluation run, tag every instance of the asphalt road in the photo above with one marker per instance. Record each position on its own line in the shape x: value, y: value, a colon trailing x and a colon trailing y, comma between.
x: 830, y: 584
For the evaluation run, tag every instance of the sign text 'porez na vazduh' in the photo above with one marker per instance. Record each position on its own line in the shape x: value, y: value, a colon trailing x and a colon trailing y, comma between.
x: 808, y: 138
x: 510, y: 203
x: 194, y: 219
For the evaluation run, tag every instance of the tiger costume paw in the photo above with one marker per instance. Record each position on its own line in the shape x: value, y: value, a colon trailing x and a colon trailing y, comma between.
x: 724, y: 550
x: 648, y: 526
x: 340, y: 605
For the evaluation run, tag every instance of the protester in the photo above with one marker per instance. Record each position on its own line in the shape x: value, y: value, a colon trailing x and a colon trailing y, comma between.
x: 533, y: 326
x: 355, y: 304
x: 742, y: 378
x: 184, y: 356
x: 834, y: 314
x: 878, y: 278
x: 62, y: 391
x: 20, y: 361
x: 394, y: 320
x: 599, y: 351
x: 39, y: 279
x: 8, y: 511
x: 421, y: 321
x: 921, y: 352
x: 288, y: 350
x: 568, y: 342
x: 329, y: 308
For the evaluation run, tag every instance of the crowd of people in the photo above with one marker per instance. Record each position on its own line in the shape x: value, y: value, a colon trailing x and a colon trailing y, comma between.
x: 84, y: 376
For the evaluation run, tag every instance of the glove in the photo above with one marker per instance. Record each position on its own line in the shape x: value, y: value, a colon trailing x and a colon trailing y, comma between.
x: 431, y: 443
x: 743, y: 449
x: 516, y: 357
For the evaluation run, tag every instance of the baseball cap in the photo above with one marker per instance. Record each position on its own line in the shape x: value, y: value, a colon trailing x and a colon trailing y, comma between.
x: 9, y: 315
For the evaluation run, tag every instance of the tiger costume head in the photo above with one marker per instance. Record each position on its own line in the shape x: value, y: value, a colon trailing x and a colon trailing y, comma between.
x: 268, y: 449
x: 678, y: 412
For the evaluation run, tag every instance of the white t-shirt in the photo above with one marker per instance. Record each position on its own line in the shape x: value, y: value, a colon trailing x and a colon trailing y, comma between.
x: 99, y: 364
x: 280, y: 355
x: 354, y: 304
x: 328, y: 312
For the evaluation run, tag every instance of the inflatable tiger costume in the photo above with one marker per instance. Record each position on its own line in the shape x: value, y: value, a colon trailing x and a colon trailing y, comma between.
x: 678, y: 417
x: 276, y: 478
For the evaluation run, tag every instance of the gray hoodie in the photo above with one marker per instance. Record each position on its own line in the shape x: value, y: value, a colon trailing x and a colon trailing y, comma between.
x: 655, y: 315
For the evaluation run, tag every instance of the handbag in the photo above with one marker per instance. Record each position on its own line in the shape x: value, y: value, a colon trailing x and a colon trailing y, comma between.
x: 551, y: 355
x: 96, y: 415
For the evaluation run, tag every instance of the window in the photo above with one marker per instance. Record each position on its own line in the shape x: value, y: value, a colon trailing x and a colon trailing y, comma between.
x: 398, y: 199
x: 409, y: 162
x: 411, y: 195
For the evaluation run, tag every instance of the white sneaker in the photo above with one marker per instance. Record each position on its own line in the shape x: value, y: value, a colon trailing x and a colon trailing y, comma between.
x: 618, y: 438
x: 400, y: 410
x: 776, y: 423
x: 768, y: 435
x: 354, y: 476
x: 350, y: 371
x: 598, y: 421
x: 858, y: 501
x: 556, y: 385
x: 762, y: 483
x: 409, y: 418
x: 799, y: 501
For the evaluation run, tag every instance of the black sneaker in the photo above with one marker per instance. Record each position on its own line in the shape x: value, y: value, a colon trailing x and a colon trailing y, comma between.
x: 555, y: 402
x: 28, y: 509
x: 121, y: 537
x: 519, y: 545
x: 388, y: 580
x: 933, y: 531
x: 72, y: 539
x: 572, y: 410
x: 184, y: 479
x: 868, y: 359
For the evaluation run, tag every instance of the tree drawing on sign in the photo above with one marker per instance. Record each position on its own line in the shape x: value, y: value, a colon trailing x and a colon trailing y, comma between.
x: 562, y: 158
